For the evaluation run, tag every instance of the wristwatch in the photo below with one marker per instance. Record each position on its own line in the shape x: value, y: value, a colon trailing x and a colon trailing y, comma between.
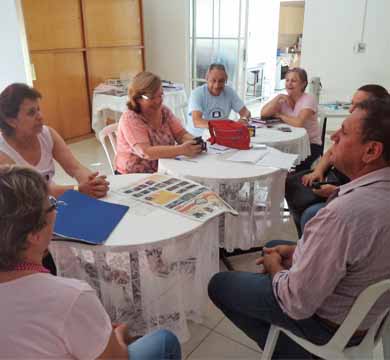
x: 75, y: 187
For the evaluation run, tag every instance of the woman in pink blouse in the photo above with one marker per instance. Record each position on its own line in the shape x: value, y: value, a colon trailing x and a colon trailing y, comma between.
x: 149, y: 130
x: 297, y: 109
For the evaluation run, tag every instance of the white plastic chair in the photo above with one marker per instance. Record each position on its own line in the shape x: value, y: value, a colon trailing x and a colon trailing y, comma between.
x: 336, y: 347
x: 181, y: 113
x: 109, y: 131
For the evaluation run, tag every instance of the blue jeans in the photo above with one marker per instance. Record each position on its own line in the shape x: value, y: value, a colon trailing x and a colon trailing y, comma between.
x: 158, y: 345
x: 247, y: 299
x: 310, y: 212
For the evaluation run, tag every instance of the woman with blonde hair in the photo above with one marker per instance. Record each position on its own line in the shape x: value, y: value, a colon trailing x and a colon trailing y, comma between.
x: 148, y: 130
x: 299, y: 109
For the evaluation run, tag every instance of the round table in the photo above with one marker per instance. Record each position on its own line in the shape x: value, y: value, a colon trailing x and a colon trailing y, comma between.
x: 153, y: 270
x: 294, y: 142
x: 255, y: 192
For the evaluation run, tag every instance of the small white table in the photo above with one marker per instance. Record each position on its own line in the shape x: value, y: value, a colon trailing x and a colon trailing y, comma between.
x: 295, y: 142
x: 326, y: 112
x: 255, y: 192
x: 176, y: 100
x: 153, y: 270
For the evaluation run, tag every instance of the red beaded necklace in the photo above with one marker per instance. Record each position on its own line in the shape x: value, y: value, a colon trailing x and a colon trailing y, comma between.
x: 24, y: 266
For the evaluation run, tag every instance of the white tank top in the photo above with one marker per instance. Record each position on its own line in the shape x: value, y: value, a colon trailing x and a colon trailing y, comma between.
x: 45, y: 165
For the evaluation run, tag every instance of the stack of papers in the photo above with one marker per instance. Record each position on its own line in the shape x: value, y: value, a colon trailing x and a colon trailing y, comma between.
x: 248, y: 156
x: 110, y: 90
x: 169, y: 85
x: 217, y: 149
x: 277, y: 159
x: 264, y: 156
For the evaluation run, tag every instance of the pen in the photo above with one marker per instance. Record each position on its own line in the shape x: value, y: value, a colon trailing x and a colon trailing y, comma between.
x: 189, y: 160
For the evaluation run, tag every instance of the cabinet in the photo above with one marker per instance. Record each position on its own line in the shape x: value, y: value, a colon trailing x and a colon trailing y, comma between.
x: 76, y: 44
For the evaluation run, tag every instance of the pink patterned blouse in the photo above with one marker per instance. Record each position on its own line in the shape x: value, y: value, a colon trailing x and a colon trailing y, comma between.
x: 134, y: 129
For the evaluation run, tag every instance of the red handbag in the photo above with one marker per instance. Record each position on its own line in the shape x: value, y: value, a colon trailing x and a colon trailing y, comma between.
x: 229, y: 133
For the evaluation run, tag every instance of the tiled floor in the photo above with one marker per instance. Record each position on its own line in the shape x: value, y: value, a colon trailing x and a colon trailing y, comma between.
x: 216, y: 338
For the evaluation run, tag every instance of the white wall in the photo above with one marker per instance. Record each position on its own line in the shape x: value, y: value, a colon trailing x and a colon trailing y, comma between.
x: 263, y: 24
x: 14, y: 60
x: 331, y: 28
x: 166, y: 37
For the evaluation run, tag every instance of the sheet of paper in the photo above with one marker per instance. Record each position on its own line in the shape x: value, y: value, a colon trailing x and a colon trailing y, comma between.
x: 277, y: 159
x: 217, y: 149
x: 249, y: 156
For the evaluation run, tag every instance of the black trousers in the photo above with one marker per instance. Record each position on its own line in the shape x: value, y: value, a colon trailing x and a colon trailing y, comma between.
x: 299, y: 197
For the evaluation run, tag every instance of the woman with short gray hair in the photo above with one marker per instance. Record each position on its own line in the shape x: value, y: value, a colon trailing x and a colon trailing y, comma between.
x: 44, y: 316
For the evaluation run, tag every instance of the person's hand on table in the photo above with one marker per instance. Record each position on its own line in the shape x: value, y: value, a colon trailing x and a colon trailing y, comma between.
x: 325, y: 190
x: 308, y: 179
x: 96, y: 185
x: 190, y: 148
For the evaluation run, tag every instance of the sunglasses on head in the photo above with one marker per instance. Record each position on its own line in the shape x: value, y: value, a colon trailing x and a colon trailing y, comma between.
x: 54, y: 203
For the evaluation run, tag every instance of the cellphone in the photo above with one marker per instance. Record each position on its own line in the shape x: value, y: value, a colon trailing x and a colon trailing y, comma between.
x: 284, y: 129
x: 318, y: 184
x: 199, y: 141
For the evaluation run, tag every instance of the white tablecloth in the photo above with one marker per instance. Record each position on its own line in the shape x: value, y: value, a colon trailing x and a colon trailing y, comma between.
x: 153, y: 270
x: 255, y: 192
x: 294, y: 142
x: 176, y: 100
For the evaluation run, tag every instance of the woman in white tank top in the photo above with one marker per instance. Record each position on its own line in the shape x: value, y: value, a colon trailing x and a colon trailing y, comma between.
x: 25, y: 141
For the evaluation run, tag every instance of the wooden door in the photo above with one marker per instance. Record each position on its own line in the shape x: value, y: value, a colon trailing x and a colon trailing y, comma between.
x: 56, y: 44
x: 114, y: 39
x: 75, y: 45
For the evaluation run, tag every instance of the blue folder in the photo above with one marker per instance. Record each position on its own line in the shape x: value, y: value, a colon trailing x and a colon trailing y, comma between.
x: 86, y: 219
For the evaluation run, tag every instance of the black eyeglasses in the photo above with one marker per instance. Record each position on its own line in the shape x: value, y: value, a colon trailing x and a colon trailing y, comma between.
x: 54, y: 204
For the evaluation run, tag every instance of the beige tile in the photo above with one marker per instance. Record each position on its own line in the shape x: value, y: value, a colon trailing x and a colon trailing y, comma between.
x: 378, y: 351
x: 218, y: 347
x: 245, y: 262
x: 229, y: 330
x: 213, y: 316
x: 90, y: 153
x: 198, y: 334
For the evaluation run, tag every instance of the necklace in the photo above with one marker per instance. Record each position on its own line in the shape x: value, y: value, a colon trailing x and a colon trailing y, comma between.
x: 24, y: 266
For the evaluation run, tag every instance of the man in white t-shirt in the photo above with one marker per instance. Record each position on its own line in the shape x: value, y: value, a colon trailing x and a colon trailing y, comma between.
x: 213, y: 101
x: 47, y: 317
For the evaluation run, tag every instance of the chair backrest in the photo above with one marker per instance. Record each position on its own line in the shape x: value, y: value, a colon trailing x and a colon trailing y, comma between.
x: 358, y: 312
x: 109, y: 131
x: 323, y: 121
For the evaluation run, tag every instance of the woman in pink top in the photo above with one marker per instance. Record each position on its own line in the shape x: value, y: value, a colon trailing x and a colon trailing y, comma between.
x: 298, y: 109
x: 149, y: 130
x: 48, y: 317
